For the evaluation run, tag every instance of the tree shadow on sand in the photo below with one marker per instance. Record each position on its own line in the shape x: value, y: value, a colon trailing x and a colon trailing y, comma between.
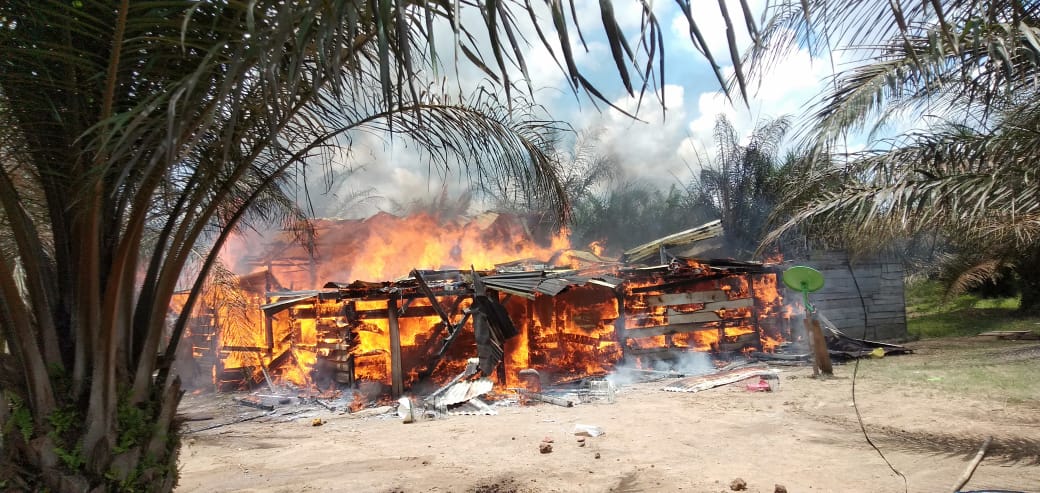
x: 1005, y: 449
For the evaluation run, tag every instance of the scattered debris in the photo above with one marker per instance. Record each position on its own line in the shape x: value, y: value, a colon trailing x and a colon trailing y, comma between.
x: 317, y: 422
x: 254, y: 403
x: 1011, y: 335
x: 780, y: 358
x: 545, y: 446
x: 405, y: 411
x: 597, y: 455
x: 323, y: 404
x: 779, y: 488
x: 545, y: 398
x: 841, y: 346
x: 240, y: 420
x: 760, y: 386
x: 194, y: 417
x: 531, y: 379
x: 372, y: 411
x: 581, y: 441
x: 473, y: 407
x: 738, y: 484
x: 588, y: 430
x: 718, y: 379
x: 460, y: 392
x: 602, y: 390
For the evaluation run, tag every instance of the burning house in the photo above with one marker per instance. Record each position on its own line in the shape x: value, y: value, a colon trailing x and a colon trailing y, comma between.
x: 572, y: 315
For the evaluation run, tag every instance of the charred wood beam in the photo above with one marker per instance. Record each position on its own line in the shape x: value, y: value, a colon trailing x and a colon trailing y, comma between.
x: 489, y: 349
x: 456, y: 329
x: 435, y: 360
x: 404, y: 306
x: 661, y: 330
x: 678, y: 283
x: 242, y: 349
x: 425, y: 289
x: 491, y: 325
x: 269, y: 334
x: 620, y: 329
x: 396, y: 366
x: 754, y: 311
x: 580, y: 339
x: 405, y: 293
x: 255, y: 404
x: 415, y: 311
x: 693, y: 317
x: 693, y: 297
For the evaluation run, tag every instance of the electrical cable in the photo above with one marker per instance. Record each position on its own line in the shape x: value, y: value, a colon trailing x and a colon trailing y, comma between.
x: 862, y: 428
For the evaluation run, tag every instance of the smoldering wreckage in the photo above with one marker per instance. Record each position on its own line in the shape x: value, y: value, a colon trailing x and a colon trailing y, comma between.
x: 564, y: 329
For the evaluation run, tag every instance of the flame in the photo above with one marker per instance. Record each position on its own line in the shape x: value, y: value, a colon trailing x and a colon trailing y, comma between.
x: 597, y: 248
x: 316, y: 342
x: 385, y: 246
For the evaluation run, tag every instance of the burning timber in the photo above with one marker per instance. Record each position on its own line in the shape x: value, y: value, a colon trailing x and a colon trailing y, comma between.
x: 416, y: 333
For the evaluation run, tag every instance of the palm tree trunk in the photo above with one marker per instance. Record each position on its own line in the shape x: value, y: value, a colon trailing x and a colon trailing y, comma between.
x: 1028, y: 270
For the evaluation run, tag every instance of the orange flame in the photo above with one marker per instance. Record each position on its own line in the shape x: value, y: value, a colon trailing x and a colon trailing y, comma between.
x: 574, y: 334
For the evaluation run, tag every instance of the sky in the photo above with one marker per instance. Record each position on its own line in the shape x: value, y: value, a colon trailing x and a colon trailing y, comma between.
x: 662, y: 147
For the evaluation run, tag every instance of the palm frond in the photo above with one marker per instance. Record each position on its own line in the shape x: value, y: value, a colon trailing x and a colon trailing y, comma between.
x: 950, y: 178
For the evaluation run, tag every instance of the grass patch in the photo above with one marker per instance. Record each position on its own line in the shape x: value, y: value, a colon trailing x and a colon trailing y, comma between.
x: 998, y: 371
x: 931, y: 314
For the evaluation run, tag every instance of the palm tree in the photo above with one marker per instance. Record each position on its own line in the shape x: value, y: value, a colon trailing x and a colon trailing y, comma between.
x: 966, y: 72
x: 136, y: 135
x: 627, y: 213
x: 583, y: 168
x: 740, y: 185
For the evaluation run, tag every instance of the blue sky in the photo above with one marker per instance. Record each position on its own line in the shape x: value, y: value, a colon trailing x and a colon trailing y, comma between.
x: 660, y: 149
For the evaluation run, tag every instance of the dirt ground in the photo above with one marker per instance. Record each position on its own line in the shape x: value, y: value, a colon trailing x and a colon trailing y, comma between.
x: 804, y: 436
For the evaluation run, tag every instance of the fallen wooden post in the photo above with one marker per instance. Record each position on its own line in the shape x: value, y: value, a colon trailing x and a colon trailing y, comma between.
x: 255, y: 404
x: 267, y: 376
x: 545, y: 398
x: 218, y: 425
x: 966, y: 476
x: 1011, y: 335
x: 323, y: 404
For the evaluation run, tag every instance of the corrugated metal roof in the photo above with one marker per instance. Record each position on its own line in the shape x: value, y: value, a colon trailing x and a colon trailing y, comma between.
x: 555, y: 286
x: 528, y: 284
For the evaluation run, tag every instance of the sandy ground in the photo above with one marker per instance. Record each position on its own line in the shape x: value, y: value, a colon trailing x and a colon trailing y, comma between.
x: 804, y: 436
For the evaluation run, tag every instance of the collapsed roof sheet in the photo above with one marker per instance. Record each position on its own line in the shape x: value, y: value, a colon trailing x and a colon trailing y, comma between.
x: 528, y: 284
x: 681, y: 244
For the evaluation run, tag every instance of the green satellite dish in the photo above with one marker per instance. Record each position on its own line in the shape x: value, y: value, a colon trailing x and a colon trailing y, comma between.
x: 804, y: 279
